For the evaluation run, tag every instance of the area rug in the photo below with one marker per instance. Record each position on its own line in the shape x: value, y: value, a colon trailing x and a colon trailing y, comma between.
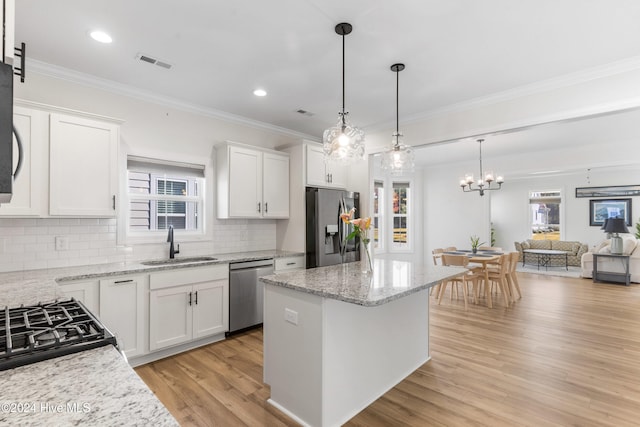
x: 552, y: 271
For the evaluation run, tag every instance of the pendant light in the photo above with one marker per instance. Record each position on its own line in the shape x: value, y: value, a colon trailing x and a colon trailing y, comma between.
x: 343, y: 143
x: 399, y: 158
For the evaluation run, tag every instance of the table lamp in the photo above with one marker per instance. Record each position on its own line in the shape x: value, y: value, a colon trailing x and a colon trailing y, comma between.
x: 615, y: 226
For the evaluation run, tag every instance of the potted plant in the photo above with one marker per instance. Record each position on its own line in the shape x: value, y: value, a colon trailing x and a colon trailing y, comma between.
x: 475, y: 242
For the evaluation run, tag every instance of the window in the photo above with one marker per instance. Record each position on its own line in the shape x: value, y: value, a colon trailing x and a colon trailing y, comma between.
x: 544, y: 208
x: 400, y: 215
x: 163, y: 193
x: 378, y: 215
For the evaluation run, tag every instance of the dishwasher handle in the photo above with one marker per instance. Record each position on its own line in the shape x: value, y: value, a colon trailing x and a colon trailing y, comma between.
x: 251, y: 264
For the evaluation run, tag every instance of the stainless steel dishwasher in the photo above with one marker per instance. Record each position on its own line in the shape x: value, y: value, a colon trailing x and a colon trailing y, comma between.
x: 246, y: 293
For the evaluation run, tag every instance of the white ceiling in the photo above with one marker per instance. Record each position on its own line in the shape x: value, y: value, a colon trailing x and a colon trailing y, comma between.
x: 454, y: 50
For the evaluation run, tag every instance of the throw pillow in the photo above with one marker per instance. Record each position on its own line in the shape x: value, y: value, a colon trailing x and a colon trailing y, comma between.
x: 628, y: 246
x: 605, y: 250
x: 596, y: 248
x: 525, y: 245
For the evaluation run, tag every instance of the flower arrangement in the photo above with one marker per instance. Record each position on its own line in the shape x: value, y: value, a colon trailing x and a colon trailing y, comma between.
x: 361, y: 228
x: 475, y: 242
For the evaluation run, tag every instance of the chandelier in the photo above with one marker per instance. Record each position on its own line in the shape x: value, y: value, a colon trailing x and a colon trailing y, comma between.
x: 484, y: 182
x: 343, y: 143
x: 399, y: 158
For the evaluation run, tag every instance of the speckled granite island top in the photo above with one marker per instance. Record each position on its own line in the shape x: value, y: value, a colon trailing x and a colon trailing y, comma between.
x: 90, y: 388
x: 389, y: 281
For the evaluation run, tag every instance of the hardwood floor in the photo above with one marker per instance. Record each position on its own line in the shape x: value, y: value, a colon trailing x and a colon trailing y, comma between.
x: 567, y: 353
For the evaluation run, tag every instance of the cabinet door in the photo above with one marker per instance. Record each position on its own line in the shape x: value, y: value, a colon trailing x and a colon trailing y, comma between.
x: 122, y: 311
x: 29, y: 185
x: 245, y: 183
x: 211, y: 308
x: 85, y: 292
x: 275, y: 181
x: 316, y: 173
x: 83, y: 166
x: 170, y: 317
x: 337, y: 175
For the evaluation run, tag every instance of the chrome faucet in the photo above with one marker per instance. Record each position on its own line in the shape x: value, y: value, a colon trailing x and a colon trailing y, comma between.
x: 172, y: 251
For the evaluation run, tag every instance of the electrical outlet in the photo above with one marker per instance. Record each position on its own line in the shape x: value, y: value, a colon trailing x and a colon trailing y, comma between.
x: 291, y: 316
x: 62, y: 243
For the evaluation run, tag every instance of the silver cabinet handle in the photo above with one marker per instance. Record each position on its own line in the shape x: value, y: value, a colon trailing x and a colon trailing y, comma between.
x: 196, y: 297
x: 118, y: 282
x: 114, y: 202
x: 190, y: 293
x: 266, y: 207
x: 258, y: 206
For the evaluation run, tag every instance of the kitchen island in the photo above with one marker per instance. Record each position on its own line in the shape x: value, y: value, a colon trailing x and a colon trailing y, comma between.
x: 336, y: 339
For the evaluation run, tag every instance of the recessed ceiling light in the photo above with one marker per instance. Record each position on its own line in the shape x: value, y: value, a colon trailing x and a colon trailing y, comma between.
x: 100, y: 36
x: 260, y: 92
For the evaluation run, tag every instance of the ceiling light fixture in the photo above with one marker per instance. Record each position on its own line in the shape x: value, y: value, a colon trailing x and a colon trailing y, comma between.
x: 100, y: 36
x: 399, y: 158
x: 260, y: 92
x: 481, y: 185
x: 343, y: 143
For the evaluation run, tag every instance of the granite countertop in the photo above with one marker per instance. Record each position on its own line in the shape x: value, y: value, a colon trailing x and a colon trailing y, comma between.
x: 16, y: 279
x: 390, y: 280
x: 93, y: 388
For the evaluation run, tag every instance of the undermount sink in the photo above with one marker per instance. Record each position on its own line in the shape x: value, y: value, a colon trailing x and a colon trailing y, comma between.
x: 178, y: 260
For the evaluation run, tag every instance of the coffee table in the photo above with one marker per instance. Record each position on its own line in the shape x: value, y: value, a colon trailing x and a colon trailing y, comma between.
x: 544, y: 257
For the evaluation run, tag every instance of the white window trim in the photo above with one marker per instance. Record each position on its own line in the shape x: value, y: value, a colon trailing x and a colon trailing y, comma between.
x: 125, y: 237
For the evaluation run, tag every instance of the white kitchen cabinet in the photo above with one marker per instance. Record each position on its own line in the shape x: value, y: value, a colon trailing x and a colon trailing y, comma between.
x: 285, y: 264
x: 252, y: 183
x: 122, y: 311
x: 323, y: 174
x: 83, y: 171
x: 187, y: 304
x: 30, y: 186
x: 85, y: 291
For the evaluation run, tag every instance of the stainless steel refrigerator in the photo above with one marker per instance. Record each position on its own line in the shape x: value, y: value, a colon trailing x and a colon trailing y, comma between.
x: 325, y: 234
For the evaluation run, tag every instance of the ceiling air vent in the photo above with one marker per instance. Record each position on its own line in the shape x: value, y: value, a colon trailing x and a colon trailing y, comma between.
x: 151, y: 60
x: 304, y: 112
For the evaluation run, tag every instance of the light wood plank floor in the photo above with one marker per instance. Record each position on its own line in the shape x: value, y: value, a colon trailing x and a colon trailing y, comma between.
x: 567, y: 353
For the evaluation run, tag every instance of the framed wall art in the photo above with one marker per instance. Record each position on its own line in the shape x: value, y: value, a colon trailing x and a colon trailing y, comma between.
x: 601, y: 209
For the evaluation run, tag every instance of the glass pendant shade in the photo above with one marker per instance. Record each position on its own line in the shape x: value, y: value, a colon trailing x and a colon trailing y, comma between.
x: 399, y: 158
x: 343, y: 143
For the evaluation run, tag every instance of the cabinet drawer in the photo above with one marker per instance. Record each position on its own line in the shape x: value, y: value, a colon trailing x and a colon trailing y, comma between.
x: 290, y: 263
x: 187, y: 276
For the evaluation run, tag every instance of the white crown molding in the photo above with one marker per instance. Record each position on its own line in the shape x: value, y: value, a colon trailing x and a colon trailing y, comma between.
x: 567, y: 80
x: 50, y: 70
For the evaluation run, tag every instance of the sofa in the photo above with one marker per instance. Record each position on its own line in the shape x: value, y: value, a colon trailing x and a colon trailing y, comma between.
x: 630, y: 246
x: 575, y: 249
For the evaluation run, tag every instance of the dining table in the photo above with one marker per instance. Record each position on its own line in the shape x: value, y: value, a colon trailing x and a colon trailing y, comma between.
x: 483, y: 258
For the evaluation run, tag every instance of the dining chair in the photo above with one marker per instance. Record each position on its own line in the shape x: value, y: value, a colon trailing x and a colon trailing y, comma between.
x: 450, y: 249
x: 496, y: 275
x: 437, y: 255
x: 512, y: 276
x: 457, y: 260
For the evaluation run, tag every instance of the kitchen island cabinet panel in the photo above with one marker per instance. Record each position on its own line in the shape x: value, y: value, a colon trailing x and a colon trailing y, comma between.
x: 122, y: 310
x: 83, y: 170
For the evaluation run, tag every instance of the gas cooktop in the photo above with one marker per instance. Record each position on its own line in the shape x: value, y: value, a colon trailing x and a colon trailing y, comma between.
x: 30, y: 334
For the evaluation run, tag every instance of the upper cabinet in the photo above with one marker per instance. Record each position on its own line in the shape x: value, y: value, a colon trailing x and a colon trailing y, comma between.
x: 321, y: 173
x: 30, y: 185
x: 83, y: 170
x: 252, y: 183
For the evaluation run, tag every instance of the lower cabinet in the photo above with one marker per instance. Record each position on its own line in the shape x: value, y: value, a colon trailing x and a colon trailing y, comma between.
x: 122, y: 311
x: 289, y: 264
x: 187, y: 304
x: 84, y: 291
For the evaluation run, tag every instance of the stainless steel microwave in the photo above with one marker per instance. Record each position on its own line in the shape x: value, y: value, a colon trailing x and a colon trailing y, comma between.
x: 6, y: 132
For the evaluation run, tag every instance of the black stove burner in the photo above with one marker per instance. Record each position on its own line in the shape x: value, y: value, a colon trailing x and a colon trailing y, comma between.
x: 34, y: 333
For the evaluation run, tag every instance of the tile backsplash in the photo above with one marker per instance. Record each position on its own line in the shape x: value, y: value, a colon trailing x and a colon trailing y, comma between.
x: 30, y: 243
